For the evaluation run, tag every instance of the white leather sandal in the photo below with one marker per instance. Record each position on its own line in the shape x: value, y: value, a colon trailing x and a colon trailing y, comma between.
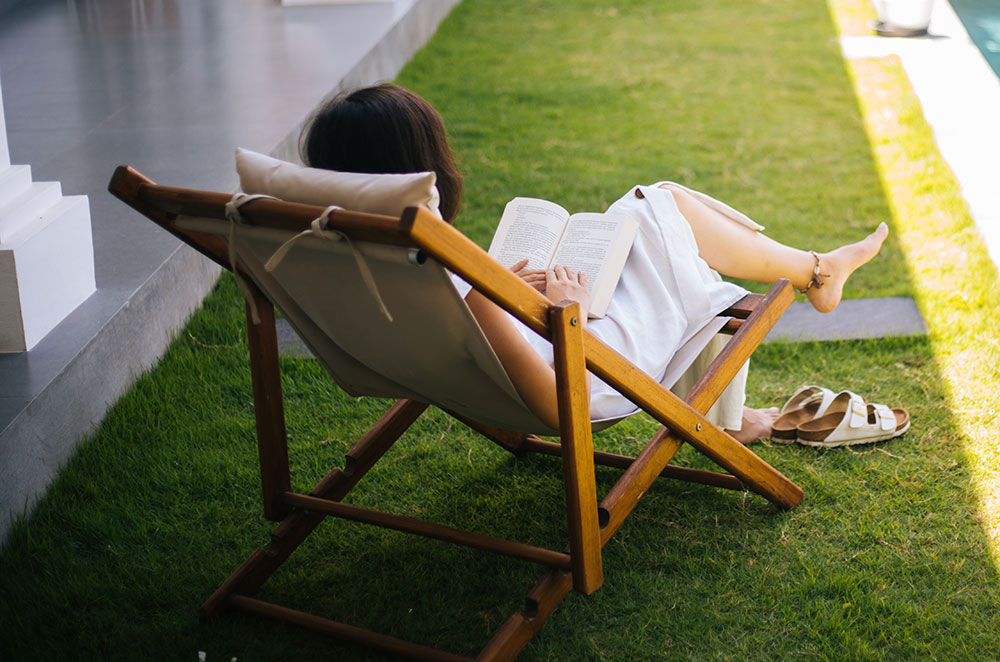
x: 850, y: 420
x: 807, y: 403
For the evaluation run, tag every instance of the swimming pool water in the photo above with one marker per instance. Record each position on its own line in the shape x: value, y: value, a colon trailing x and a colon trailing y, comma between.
x: 981, y: 19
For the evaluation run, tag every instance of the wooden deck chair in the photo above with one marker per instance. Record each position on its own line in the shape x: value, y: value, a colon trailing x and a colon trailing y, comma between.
x: 370, y: 352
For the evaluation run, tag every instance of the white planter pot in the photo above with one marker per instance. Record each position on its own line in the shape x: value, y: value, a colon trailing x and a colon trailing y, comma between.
x: 910, y: 15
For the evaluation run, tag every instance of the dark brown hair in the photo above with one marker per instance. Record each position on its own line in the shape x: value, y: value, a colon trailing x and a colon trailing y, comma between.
x: 384, y: 129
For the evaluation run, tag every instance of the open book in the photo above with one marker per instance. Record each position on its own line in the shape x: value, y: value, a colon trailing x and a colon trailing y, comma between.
x: 546, y: 234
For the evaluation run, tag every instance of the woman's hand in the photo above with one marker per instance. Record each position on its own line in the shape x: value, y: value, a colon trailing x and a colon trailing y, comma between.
x: 533, y: 277
x: 562, y: 283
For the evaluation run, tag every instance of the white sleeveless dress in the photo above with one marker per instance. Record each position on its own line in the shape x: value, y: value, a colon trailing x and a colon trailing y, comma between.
x: 663, y: 311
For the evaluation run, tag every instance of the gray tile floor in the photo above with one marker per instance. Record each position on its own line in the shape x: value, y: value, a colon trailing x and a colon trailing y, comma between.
x: 171, y: 87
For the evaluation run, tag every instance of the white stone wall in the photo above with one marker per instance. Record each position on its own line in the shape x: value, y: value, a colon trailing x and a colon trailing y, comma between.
x: 4, y: 153
x: 46, y: 253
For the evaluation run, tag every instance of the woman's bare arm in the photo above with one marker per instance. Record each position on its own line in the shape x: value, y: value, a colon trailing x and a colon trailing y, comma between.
x: 534, y: 379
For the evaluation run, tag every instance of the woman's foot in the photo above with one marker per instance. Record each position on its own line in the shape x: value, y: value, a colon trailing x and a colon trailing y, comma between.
x: 756, y: 425
x: 837, y: 266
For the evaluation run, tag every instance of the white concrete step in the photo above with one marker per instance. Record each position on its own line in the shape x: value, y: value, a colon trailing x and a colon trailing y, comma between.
x: 14, y: 180
x: 45, y: 273
x: 27, y: 209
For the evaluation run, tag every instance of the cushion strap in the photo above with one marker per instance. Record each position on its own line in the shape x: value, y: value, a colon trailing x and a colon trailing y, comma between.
x: 320, y: 228
x: 233, y: 216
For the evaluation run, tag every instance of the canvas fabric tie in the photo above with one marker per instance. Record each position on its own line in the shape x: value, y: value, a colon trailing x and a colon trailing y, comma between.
x: 233, y: 216
x: 320, y: 228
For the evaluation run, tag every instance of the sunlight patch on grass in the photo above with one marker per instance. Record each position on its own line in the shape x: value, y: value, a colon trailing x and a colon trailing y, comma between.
x: 956, y: 283
x: 853, y: 17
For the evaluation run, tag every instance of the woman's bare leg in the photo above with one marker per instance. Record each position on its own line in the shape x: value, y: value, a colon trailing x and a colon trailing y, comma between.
x: 735, y: 250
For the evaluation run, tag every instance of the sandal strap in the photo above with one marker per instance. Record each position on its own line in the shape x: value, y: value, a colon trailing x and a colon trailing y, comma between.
x: 858, y: 412
x: 808, y: 395
x: 855, y: 423
x: 886, y: 417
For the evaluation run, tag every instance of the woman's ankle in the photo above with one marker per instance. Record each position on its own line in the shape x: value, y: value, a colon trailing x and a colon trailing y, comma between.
x: 837, y: 266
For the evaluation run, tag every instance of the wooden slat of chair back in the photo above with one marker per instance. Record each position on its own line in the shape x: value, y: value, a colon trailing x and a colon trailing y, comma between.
x: 164, y: 203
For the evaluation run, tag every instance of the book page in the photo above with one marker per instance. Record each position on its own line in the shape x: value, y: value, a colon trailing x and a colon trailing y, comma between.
x: 586, y: 244
x: 597, y: 245
x: 529, y: 228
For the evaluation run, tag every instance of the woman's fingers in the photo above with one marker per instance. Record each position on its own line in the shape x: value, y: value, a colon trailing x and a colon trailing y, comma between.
x: 563, y: 283
x: 519, y: 265
x: 566, y: 273
x: 533, y: 277
x: 537, y: 281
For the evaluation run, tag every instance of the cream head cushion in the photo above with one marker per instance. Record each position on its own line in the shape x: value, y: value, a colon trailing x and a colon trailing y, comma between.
x: 386, y: 194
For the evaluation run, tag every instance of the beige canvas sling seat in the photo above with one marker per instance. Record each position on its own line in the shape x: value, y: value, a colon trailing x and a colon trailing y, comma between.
x: 371, y: 297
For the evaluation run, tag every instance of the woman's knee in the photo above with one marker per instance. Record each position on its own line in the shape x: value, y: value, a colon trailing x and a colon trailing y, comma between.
x: 687, y: 203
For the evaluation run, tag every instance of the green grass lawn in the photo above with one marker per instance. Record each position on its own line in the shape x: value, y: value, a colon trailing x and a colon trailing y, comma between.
x: 891, y: 556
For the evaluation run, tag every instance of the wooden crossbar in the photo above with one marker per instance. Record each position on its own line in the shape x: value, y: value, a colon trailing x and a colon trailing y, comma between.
x: 350, y: 633
x: 429, y: 530
x: 533, y: 444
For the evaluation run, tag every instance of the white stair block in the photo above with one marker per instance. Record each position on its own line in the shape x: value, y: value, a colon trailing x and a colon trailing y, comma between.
x: 4, y: 153
x: 27, y: 209
x: 45, y: 273
x: 14, y: 180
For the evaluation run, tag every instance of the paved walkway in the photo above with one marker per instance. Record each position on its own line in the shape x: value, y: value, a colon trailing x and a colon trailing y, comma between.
x: 854, y: 319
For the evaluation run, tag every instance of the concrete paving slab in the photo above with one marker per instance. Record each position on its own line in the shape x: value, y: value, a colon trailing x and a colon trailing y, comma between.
x: 852, y: 320
x: 289, y: 342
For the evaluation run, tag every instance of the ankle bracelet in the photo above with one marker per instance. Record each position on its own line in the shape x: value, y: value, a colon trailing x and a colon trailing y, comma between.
x: 815, y: 280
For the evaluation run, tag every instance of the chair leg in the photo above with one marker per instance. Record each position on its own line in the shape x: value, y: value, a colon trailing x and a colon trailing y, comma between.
x: 573, y: 397
x: 269, y: 410
x: 685, y: 419
x: 521, y: 627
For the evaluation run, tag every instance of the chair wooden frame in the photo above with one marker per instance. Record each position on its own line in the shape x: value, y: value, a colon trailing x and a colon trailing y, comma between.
x: 591, y: 523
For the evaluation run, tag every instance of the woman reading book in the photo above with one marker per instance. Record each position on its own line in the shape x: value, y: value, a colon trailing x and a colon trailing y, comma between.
x: 670, y: 287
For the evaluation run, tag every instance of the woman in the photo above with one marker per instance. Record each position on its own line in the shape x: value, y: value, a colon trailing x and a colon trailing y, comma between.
x: 668, y: 290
